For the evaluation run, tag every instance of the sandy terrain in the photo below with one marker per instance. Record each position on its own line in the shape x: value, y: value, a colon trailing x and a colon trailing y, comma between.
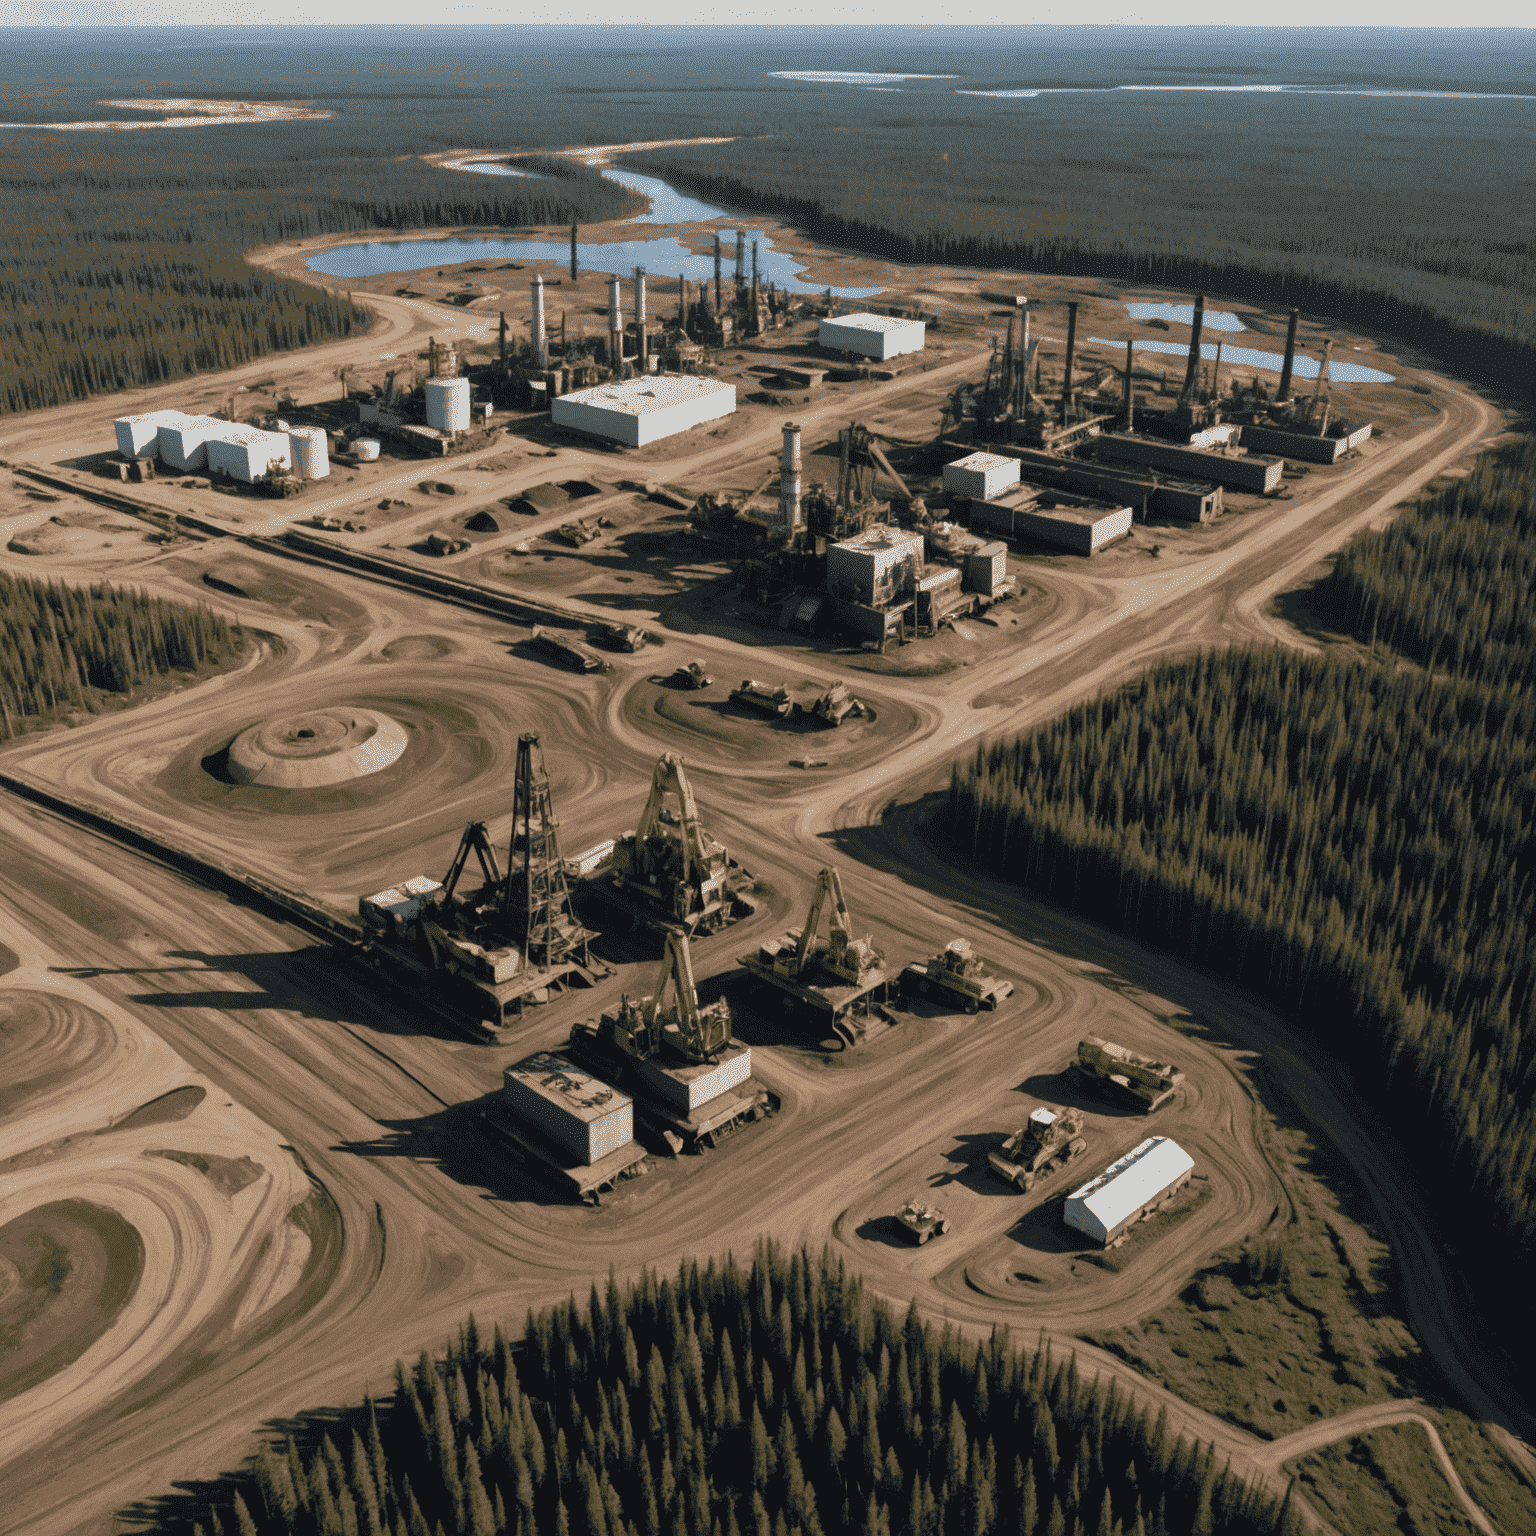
x: 409, y: 1217
x: 188, y: 112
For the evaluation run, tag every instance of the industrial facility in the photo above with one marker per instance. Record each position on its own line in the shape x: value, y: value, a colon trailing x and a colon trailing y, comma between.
x: 644, y: 410
x: 880, y: 337
x: 1128, y: 1189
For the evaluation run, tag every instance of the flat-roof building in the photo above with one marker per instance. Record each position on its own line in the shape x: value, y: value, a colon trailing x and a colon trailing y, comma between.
x: 582, y: 1115
x: 138, y: 436
x: 876, y: 336
x: 1052, y: 517
x: 183, y: 444
x: 876, y: 566
x: 981, y: 474
x: 246, y: 453
x: 1104, y: 1207
x: 640, y: 411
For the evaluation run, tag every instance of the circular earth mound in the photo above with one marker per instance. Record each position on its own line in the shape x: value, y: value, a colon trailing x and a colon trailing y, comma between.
x: 316, y: 748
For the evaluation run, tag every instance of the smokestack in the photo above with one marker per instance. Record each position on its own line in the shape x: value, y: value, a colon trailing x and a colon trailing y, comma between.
x: 540, y: 347
x: 501, y: 342
x: 1284, y: 392
x: 1066, y: 377
x: 1192, y: 367
x: 1130, y: 401
x: 574, y: 273
x: 718, y: 305
x: 615, y: 328
x: 1216, y: 374
x: 1024, y: 364
x: 640, y: 348
x: 789, y: 481
x: 741, y: 259
x: 682, y: 302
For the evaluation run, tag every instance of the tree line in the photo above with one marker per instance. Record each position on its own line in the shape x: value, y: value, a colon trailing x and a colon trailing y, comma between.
x: 63, y: 647
x: 766, y: 1400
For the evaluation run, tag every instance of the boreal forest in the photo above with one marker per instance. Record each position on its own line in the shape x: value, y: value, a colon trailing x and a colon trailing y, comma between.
x: 767, y: 1400
x: 1353, y: 837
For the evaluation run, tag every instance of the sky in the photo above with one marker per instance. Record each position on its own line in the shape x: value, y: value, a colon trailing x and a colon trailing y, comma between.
x: 801, y: 13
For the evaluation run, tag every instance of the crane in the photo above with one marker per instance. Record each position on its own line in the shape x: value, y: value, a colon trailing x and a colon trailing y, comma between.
x: 695, y: 1033
x: 851, y: 960
x: 1320, y: 394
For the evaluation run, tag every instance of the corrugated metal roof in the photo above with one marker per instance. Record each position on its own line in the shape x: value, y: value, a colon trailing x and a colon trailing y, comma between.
x: 1127, y: 1185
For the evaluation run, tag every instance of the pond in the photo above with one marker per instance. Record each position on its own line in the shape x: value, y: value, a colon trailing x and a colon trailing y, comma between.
x: 499, y: 168
x: 1184, y: 314
x: 1306, y: 367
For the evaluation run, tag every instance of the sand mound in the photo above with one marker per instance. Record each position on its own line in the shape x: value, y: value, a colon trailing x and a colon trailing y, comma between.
x: 316, y: 748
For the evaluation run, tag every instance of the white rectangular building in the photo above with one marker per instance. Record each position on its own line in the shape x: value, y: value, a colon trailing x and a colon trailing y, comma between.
x: 876, y: 336
x: 247, y: 453
x: 876, y: 566
x: 138, y: 436
x: 183, y: 444
x: 1104, y: 1207
x: 981, y: 474
x: 582, y: 1115
x: 1074, y: 523
x: 640, y: 411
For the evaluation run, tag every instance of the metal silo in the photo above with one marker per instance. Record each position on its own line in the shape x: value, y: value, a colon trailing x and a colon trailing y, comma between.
x: 448, y: 404
x: 306, y: 447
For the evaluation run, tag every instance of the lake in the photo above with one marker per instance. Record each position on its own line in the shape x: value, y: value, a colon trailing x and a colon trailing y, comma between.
x: 1306, y: 367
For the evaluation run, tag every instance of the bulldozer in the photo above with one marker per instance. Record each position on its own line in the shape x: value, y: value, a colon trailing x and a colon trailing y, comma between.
x: 1042, y: 1147
x: 836, y: 705
x: 685, y: 1031
x: 800, y: 955
x: 691, y: 677
x: 760, y: 696
x: 922, y: 1221
x: 621, y: 637
x: 1118, y: 1074
x: 669, y: 870
x: 957, y: 972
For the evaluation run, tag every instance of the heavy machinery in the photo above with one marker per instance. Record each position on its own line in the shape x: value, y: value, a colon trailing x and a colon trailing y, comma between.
x: 690, y: 1082
x: 836, y: 705
x: 837, y: 979
x: 957, y: 972
x: 511, y: 941
x: 621, y: 637
x: 921, y: 1221
x: 669, y: 872
x: 691, y: 676
x: 770, y: 701
x: 569, y: 652
x: 578, y: 533
x: 1120, y: 1075
x: 1047, y: 1142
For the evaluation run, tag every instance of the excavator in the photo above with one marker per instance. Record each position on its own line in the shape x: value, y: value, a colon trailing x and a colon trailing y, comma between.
x: 669, y: 870
x: 686, y: 1030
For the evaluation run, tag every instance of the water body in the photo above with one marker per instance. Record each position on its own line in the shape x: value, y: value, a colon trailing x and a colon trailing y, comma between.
x: 1272, y: 362
x: 848, y: 77
x: 1184, y: 314
x: 1030, y: 92
x: 499, y: 168
x: 668, y: 206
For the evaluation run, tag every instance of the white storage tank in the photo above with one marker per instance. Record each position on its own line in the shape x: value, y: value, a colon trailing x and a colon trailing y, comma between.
x: 183, y: 444
x: 306, y: 447
x: 981, y: 474
x: 140, y: 435
x: 448, y: 404
x: 876, y: 336
x: 247, y: 453
x: 1104, y: 1207
x: 366, y: 449
x: 579, y: 1113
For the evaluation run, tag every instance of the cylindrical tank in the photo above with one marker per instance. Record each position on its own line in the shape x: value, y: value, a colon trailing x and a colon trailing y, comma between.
x: 448, y: 404
x: 366, y: 449
x: 306, y: 448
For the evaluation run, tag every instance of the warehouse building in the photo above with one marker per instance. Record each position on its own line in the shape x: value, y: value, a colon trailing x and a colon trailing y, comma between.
x: 1304, y: 445
x: 246, y: 453
x: 875, y: 336
x: 1128, y: 1189
x: 1236, y: 472
x: 580, y: 1114
x: 1052, y: 517
x: 183, y: 444
x: 986, y: 475
x: 645, y: 410
x: 876, y: 567
x: 138, y: 436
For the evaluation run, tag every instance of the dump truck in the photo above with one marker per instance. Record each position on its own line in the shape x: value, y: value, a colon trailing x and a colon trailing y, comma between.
x: 1123, y: 1077
x: 768, y: 700
x: 568, y: 651
x: 921, y: 1221
x: 691, y: 676
x: 836, y: 705
x: 957, y: 973
x: 621, y: 637
x: 669, y: 872
x: 1044, y: 1145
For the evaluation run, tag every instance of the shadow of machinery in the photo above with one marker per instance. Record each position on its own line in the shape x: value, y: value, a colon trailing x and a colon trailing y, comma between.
x: 887, y: 1231
x: 763, y: 1016
x: 1060, y: 1090
x: 968, y: 1159
x: 1042, y: 1230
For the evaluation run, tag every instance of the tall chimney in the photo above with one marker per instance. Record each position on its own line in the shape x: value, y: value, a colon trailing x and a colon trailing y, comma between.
x: 540, y: 346
x: 719, y: 308
x: 682, y: 302
x: 1066, y: 376
x: 1216, y: 374
x: 741, y: 259
x: 1024, y: 364
x: 501, y: 341
x: 615, y: 329
x: 789, y: 481
x: 1192, y: 367
x: 1284, y: 391
x: 1130, y: 399
x: 640, y: 348
x: 574, y: 273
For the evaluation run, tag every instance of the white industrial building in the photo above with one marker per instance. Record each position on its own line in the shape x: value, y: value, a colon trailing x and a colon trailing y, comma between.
x: 138, y: 436
x: 876, y: 336
x: 1074, y: 523
x: 640, y: 411
x: 876, y: 566
x: 579, y: 1113
x: 183, y: 443
x: 447, y: 404
x: 981, y: 474
x: 307, y: 450
x: 1104, y: 1207
x: 246, y: 453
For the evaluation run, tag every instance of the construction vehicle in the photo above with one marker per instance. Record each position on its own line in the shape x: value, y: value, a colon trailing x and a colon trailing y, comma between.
x: 957, y: 972
x: 838, y: 980
x: 921, y: 1221
x: 578, y: 533
x: 621, y: 637
x: 567, y: 651
x: 1047, y: 1142
x: 512, y: 941
x: 669, y: 872
x: 836, y: 705
x: 689, y: 1081
x: 1120, y: 1075
x: 769, y: 701
x: 691, y: 676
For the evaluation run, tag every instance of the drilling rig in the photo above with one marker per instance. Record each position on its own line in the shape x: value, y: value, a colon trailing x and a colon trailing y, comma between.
x: 512, y: 940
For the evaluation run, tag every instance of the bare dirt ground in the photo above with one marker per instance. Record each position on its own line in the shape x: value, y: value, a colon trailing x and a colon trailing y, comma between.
x: 380, y: 1214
